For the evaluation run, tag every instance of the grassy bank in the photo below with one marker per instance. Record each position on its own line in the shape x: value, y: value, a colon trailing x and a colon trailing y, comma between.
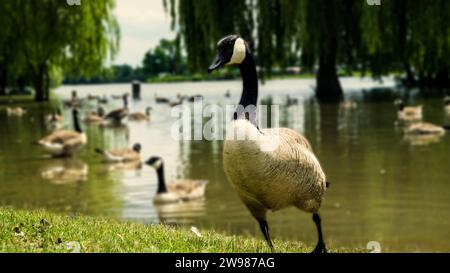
x: 41, y: 231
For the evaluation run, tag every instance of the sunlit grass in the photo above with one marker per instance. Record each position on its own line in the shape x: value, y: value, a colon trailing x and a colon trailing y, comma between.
x: 41, y: 231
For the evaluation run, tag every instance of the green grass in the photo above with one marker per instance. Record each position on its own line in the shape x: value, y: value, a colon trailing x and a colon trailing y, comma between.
x: 41, y: 231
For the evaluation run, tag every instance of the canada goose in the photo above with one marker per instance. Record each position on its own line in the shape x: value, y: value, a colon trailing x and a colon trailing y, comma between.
x: 74, y: 101
x: 447, y: 104
x: 121, y: 155
x: 17, y: 111
x: 95, y: 117
x: 194, y: 98
x: 267, y: 179
x: 175, y: 103
x: 117, y: 115
x: 175, y: 191
x: 92, y: 97
x: 118, y: 97
x: 102, y: 100
x: 161, y: 99
x: 408, y: 113
x: 64, y: 142
x: 424, y: 128
x: 139, y: 116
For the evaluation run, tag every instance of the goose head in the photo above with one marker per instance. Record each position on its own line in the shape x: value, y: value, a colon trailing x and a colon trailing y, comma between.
x: 155, y: 162
x: 230, y: 50
x: 137, y: 147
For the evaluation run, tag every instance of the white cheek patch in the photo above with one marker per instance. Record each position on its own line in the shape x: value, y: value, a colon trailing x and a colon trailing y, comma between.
x: 157, y: 164
x: 238, y: 52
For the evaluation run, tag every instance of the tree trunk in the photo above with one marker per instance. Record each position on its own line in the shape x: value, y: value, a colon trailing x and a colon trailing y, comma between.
x: 3, y: 79
x: 328, y: 86
x: 40, y: 86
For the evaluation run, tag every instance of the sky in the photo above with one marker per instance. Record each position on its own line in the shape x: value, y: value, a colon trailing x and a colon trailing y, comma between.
x: 142, y: 24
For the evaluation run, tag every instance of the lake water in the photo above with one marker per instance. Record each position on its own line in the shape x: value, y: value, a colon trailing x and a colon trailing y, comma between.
x: 385, y: 187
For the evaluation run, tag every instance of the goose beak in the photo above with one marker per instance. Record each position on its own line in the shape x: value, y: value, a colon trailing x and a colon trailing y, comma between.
x: 218, y: 62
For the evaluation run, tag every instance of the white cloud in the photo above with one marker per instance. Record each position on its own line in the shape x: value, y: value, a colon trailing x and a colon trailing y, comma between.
x: 142, y: 23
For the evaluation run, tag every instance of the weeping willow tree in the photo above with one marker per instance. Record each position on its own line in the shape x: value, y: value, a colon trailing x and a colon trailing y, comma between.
x: 53, y: 36
x: 279, y: 31
x: 409, y: 36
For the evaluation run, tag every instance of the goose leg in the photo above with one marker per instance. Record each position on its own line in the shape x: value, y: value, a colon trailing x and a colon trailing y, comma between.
x: 320, y: 248
x: 265, y: 230
x: 259, y: 213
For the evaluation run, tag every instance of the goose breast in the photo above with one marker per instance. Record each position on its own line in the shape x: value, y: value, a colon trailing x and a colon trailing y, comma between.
x: 289, y: 174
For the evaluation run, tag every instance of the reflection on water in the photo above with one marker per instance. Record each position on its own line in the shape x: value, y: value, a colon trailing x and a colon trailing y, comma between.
x: 385, y: 187
x: 62, y: 171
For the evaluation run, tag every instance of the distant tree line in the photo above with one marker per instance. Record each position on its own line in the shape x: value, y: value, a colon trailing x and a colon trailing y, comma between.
x: 41, y: 40
x: 410, y: 37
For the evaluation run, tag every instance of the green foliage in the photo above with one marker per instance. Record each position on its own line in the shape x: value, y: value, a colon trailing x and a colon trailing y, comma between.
x: 398, y: 35
x: 164, y: 58
x: 51, y: 35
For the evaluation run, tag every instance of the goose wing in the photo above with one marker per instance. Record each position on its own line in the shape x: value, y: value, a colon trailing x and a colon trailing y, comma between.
x: 187, y: 189
x: 117, y: 114
x: 125, y: 154
x: 138, y: 116
x: 424, y: 128
x: 61, y: 137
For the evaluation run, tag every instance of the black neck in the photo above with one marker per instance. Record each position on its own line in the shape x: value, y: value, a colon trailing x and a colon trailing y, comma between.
x: 161, y: 180
x: 250, y: 85
x: 76, y: 123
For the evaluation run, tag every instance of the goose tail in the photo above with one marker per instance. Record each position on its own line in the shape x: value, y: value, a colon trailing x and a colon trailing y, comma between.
x: 327, y: 184
x: 446, y: 127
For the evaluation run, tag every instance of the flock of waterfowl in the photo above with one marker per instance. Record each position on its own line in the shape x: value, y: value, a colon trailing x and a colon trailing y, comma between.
x: 287, y: 174
x: 417, y: 131
x: 62, y: 143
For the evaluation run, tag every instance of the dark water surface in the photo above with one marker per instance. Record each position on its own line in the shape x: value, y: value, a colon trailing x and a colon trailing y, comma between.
x: 385, y: 187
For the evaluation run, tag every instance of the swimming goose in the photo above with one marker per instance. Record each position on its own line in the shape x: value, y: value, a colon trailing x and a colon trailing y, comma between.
x: 95, y: 117
x: 74, y: 101
x: 102, y: 100
x: 175, y: 191
x: 194, y: 98
x: 64, y: 142
x: 17, y: 111
x: 139, y: 116
x: 408, y: 113
x: 117, y: 115
x: 161, y: 99
x: 270, y: 169
x: 121, y: 155
x: 424, y: 128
